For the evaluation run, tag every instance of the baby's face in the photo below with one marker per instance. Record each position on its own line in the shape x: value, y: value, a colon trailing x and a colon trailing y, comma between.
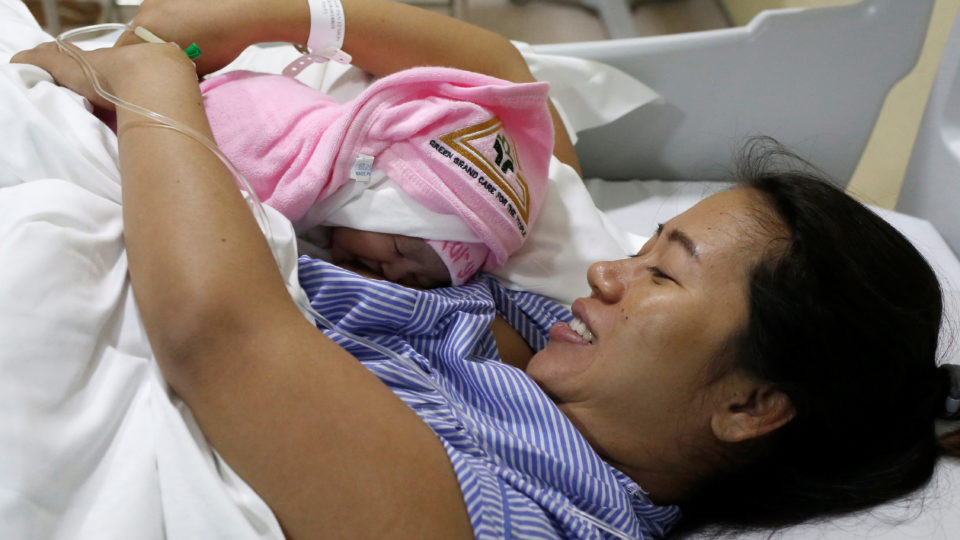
x: 401, y: 259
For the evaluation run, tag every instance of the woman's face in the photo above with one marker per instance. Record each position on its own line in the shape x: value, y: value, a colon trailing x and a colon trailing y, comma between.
x: 634, y: 375
x: 401, y: 259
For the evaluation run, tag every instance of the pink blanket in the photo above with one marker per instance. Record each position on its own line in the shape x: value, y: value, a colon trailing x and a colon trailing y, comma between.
x: 459, y: 143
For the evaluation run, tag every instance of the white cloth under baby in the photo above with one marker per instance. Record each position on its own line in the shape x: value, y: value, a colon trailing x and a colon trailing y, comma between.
x: 379, y: 205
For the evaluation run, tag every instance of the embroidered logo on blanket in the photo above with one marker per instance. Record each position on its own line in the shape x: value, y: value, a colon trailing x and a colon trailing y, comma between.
x: 491, y: 159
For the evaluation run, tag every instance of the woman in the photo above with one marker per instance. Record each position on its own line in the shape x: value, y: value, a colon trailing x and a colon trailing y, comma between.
x: 739, y: 366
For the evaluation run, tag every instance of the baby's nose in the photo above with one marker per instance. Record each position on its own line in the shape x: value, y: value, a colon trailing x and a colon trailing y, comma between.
x: 393, y: 272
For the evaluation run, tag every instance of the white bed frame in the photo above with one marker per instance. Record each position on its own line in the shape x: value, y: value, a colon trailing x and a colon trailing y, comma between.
x: 932, y: 182
x: 815, y: 79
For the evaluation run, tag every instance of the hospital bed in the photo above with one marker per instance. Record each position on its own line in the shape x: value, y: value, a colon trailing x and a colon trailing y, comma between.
x: 92, y: 444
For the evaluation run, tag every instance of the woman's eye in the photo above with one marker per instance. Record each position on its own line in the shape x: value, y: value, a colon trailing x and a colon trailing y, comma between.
x: 657, y: 273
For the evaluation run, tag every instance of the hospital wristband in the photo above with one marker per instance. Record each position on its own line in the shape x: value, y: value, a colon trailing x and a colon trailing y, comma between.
x: 327, y: 28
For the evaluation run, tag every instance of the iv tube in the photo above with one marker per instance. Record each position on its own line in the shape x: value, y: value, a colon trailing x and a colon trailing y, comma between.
x: 161, y: 120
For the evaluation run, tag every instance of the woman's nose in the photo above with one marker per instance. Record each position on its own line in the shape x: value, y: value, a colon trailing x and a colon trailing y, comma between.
x: 606, y: 280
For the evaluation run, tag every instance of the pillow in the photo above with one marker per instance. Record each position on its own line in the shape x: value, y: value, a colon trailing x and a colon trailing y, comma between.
x: 570, y: 235
x: 586, y: 93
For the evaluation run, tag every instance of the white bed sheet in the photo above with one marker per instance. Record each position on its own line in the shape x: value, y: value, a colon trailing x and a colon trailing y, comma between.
x: 92, y: 445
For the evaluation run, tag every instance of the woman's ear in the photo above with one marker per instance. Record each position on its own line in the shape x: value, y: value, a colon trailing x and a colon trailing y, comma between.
x: 748, y: 409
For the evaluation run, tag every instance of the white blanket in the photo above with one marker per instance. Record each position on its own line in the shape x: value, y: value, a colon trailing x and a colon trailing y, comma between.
x: 92, y: 445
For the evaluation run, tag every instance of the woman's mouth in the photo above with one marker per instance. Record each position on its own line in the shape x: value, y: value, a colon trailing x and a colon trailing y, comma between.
x: 581, y: 329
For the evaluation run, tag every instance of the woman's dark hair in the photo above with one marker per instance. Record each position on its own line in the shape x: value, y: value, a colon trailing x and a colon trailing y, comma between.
x: 844, y: 318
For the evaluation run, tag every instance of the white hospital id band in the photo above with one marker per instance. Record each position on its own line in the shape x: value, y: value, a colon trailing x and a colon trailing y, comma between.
x: 327, y: 28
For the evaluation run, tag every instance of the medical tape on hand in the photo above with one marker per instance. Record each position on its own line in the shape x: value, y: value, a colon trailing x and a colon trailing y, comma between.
x: 192, y: 51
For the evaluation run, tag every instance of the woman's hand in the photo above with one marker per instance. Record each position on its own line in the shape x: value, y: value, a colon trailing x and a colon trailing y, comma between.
x: 222, y: 28
x: 121, y: 71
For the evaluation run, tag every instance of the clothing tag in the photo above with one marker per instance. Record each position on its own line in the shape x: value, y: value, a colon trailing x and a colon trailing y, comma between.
x: 362, y: 168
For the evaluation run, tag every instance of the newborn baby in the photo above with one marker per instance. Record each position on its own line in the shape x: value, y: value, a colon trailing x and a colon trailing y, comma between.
x: 425, y: 178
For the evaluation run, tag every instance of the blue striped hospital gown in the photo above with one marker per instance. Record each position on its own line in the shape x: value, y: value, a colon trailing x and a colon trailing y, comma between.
x: 524, y: 470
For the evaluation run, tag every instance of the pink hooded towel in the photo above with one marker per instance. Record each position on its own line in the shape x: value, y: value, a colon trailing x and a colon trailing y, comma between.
x: 457, y: 142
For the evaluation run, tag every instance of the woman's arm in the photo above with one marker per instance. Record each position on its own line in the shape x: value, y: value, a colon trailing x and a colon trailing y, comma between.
x: 382, y: 36
x: 327, y: 445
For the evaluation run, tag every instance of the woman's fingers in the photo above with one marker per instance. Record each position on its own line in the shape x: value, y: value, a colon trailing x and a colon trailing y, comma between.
x: 44, y: 55
x: 64, y: 69
x: 119, y: 70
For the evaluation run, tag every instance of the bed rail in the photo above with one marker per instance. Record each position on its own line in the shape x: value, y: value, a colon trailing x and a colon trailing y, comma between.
x: 814, y: 78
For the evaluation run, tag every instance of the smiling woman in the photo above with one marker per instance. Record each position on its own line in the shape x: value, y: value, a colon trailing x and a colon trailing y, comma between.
x: 843, y: 319
x: 658, y: 321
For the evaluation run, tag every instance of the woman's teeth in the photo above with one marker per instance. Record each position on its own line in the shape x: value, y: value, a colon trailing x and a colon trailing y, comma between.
x: 580, y: 328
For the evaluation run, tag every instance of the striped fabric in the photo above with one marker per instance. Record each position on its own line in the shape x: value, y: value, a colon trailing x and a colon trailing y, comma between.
x: 524, y: 470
